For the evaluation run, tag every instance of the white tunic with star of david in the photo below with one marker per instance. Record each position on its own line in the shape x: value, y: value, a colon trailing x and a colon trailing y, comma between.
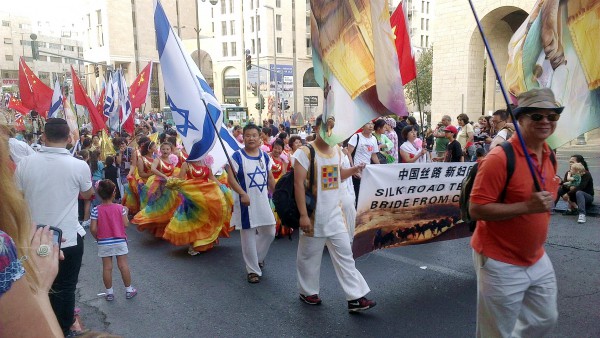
x: 252, y: 173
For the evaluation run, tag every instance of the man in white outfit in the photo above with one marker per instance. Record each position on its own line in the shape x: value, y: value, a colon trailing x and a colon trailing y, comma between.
x: 252, y: 213
x: 326, y: 226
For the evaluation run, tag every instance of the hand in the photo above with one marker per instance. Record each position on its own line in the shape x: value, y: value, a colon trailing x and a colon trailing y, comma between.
x: 245, y: 200
x: 381, y: 146
x: 305, y: 224
x: 423, y: 151
x: 46, y: 267
x: 540, y: 202
x: 358, y: 169
x: 565, y: 197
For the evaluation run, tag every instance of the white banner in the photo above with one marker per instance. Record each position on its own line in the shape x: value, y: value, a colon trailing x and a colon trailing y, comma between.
x: 403, y: 204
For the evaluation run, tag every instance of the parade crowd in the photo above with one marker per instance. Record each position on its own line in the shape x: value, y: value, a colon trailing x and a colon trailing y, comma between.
x: 101, y: 183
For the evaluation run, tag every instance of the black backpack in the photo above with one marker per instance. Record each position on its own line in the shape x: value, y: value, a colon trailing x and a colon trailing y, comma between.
x: 467, y: 183
x: 285, y: 200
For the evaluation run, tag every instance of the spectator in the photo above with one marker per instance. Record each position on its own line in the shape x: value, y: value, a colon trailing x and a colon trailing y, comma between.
x: 412, y: 121
x: 265, y: 138
x: 482, y: 133
x: 252, y: 213
x: 516, y: 283
x: 51, y: 181
x: 399, y: 126
x: 111, y: 172
x: 237, y: 133
x: 581, y: 195
x: 454, y: 152
x: 390, y: 124
x: 18, y: 149
x: 274, y: 129
x: 503, y: 129
x: 410, y: 151
x: 384, y: 143
x: 363, y: 149
x: 441, y: 142
x: 303, y: 134
x: 326, y: 228
x: 124, y: 160
x: 466, y: 137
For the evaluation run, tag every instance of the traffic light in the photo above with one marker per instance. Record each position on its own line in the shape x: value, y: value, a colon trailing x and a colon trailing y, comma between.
x: 262, y: 102
x: 97, y: 70
x: 35, y: 51
x: 248, y: 60
x: 257, y: 106
x: 286, y: 106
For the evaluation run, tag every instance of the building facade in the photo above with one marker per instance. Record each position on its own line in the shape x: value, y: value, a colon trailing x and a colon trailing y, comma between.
x: 15, y: 35
x: 463, y: 78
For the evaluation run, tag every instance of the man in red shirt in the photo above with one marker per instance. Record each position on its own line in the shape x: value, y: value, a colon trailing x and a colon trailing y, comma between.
x: 516, y: 284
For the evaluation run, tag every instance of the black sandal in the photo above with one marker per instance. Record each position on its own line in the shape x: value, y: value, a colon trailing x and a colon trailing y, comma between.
x: 253, y: 278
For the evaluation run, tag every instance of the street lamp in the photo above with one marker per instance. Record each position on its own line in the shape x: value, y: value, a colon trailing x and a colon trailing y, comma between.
x: 274, y: 57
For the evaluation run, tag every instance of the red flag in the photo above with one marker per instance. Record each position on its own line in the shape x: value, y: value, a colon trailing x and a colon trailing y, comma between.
x: 100, y: 105
x: 129, y: 125
x: 24, y: 88
x: 17, y: 105
x: 35, y: 94
x: 138, y: 91
x: 83, y: 99
x: 408, y: 68
x: 19, y: 123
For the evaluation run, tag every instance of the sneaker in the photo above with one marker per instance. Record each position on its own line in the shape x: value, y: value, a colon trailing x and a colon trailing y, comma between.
x: 109, y: 297
x: 192, y: 252
x: 311, y: 300
x: 131, y: 294
x: 360, y: 304
x: 581, y: 219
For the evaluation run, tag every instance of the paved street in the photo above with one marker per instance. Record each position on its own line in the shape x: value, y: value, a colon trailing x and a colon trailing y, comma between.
x: 422, y: 291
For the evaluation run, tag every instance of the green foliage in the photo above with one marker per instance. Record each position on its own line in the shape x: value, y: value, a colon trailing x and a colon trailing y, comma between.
x: 424, y: 71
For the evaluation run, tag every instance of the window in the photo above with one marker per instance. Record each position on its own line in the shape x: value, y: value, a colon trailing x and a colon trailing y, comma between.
x: 232, y: 27
x: 259, y: 49
x: 55, y: 59
x: 251, y: 4
x: 422, y: 24
x: 427, y: 24
x: 99, y: 16
x: 230, y: 6
x: 279, y: 45
x: 278, y: 22
x: 25, y: 26
x: 7, y: 41
x: 278, y: 3
x: 252, y: 24
x: 28, y: 58
x: 8, y: 57
x: 69, y: 48
x: 253, y: 46
x: 223, y: 28
x: 233, y: 49
x: 258, y: 23
x: 422, y: 6
x: 89, y: 20
x: 223, y: 7
x: 427, y: 7
x: 212, y: 13
x: 25, y: 43
x: 42, y: 44
x: 427, y: 41
x: 5, y: 23
x: 257, y: 3
x: 54, y: 45
x: 213, y: 27
x: 225, y: 49
x: 44, y: 75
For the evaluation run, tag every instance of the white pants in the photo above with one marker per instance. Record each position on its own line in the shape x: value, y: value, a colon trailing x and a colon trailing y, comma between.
x: 349, y: 211
x: 255, y: 245
x: 308, y: 265
x: 515, y: 301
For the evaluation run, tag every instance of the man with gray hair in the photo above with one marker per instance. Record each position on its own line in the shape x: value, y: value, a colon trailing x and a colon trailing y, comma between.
x: 441, y: 142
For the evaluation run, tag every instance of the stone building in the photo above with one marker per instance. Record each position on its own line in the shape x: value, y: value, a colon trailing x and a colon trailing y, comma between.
x: 461, y: 69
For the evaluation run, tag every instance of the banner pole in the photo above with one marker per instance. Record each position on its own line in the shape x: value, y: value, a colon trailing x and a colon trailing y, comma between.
x: 506, y: 100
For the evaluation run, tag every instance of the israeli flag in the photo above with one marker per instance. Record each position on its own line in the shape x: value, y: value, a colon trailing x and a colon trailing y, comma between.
x: 111, y: 106
x: 57, y: 101
x: 186, y: 90
x: 124, y: 102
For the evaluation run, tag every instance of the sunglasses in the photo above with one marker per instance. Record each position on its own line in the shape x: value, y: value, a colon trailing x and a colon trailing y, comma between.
x: 538, y: 117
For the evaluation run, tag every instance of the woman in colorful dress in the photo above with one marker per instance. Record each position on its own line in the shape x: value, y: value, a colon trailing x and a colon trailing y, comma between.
x: 161, y: 202
x: 279, y: 169
x: 203, y: 210
x: 139, y: 171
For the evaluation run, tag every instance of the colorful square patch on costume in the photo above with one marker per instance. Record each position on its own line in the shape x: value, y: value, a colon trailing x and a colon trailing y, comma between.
x: 329, y: 177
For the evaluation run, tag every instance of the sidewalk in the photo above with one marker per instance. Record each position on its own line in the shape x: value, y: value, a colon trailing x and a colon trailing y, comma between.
x: 591, y: 153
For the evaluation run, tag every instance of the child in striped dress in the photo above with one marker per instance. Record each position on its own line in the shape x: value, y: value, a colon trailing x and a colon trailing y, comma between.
x: 108, y: 227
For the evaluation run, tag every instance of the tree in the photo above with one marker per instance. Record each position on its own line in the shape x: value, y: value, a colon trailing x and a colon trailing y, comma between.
x: 424, y: 71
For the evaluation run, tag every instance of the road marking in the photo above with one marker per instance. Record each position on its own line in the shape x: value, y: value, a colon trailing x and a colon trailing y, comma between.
x: 437, y: 268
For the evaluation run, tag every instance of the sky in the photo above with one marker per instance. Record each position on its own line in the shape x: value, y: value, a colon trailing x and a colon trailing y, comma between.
x: 61, y: 11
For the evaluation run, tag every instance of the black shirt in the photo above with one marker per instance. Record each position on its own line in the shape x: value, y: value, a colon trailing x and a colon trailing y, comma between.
x: 454, y: 152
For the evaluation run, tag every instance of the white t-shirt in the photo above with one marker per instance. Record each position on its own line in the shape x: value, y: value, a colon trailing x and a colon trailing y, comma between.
x: 19, y: 149
x: 366, y: 147
x: 302, y: 135
x: 51, y: 181
x: 253, y: 175
x: 328, y: 219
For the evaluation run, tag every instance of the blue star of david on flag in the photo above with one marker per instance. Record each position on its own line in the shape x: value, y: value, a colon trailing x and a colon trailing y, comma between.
x: 181, y: 128
x: 253, y: 181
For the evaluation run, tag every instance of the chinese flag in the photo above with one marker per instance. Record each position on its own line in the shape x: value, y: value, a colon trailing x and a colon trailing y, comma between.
x: 17, y: 105
x: 100, y: 105
x: 138, y: 91
x: 408, y: 68
x: 36, y: 95
x: 83, y: 99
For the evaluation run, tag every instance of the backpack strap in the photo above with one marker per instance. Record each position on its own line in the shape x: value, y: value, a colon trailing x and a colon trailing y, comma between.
x: 311, y: 174
x: 510, y: 166
x: 356, y: 147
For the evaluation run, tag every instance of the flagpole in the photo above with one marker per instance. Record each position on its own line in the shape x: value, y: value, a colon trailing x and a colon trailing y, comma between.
x: 508, y: 106
x: 212, y: 122
x: 419, y: 101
